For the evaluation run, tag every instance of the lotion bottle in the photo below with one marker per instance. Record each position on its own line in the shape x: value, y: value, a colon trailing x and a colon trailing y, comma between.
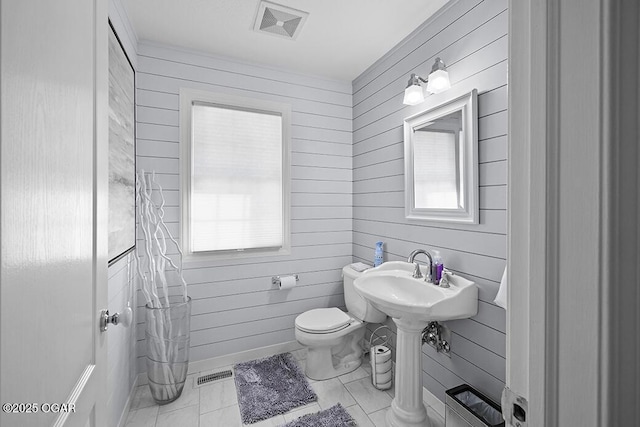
x: 378, y: 256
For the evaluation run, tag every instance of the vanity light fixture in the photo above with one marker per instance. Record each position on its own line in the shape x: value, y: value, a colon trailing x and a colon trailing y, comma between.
x: 438, y: 81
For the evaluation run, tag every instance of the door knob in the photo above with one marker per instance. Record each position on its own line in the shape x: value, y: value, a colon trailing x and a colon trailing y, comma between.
x: 123, y: 318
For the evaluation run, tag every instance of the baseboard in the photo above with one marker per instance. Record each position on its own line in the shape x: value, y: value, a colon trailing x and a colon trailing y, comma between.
x: 432, y: 401
x: 232, y: 359
x: 243, y: 356
x: 127, y: 406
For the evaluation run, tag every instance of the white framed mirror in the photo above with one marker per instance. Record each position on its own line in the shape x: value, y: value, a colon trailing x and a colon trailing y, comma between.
x: 441, y: 162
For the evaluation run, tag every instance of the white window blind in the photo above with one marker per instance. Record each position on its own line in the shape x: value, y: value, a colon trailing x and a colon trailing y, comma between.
x: 236, y: 179
x: 439, y: 177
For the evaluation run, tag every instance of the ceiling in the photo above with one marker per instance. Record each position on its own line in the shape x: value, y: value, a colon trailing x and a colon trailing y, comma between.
x: 339, y: 40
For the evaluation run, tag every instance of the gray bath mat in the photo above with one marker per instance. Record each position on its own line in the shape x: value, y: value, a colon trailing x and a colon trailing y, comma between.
x: 336, y: 416
x: 270, y: 387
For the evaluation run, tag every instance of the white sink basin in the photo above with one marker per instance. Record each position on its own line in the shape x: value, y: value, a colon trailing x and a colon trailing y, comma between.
x: 392, y: 289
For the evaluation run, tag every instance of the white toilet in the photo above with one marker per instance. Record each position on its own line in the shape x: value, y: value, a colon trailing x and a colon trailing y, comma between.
x: 334, y: 338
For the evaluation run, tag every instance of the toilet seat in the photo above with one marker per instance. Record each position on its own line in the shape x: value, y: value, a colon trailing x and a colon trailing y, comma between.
x: 323, y: 320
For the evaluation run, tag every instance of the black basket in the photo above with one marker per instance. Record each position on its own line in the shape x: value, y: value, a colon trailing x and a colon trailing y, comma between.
x: 466, y: 406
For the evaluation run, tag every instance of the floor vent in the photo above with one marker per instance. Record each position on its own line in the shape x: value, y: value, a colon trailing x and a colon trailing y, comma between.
x: 213, y: 377
x: 279, y: 20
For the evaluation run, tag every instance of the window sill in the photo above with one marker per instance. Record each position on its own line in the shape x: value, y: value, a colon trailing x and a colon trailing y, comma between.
x: 204, y: 257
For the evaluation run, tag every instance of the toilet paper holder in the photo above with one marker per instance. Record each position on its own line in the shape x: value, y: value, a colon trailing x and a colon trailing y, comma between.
x: 374, y: 340
x: 275, y: 280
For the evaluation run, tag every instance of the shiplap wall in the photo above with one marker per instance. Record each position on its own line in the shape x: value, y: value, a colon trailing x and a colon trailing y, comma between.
x: 471, y: 37
x: 235, y: 306
x: 121, y: 360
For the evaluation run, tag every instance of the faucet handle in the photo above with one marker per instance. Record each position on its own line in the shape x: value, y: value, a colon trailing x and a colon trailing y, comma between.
x: 417, y: 274
x: 446, y: 276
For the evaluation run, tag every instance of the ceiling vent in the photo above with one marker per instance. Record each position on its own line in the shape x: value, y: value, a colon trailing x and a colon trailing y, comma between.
x: 279, y: 20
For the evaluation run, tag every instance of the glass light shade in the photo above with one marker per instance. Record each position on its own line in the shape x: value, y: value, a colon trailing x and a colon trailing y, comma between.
x: 438, y: 82
x: 413, y: 95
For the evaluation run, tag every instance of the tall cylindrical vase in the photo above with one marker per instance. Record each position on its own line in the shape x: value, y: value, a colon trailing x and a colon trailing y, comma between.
x: 167, y: 339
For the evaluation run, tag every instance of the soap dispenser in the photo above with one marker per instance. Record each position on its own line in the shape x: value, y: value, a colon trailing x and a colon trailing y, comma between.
x: 436, y: 267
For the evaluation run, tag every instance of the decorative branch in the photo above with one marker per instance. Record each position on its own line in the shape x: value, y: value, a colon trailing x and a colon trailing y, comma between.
x: 151, y: 269
x: 155, y: 231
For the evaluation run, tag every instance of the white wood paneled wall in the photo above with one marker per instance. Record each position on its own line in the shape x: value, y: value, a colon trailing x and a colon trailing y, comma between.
x: 471, y: 37
x: 235, y: 306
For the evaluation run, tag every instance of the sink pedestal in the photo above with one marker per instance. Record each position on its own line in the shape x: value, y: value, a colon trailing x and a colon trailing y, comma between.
x: 407, y: 408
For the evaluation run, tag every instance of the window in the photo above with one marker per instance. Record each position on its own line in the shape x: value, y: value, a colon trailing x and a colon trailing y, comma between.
x: 235, y: 175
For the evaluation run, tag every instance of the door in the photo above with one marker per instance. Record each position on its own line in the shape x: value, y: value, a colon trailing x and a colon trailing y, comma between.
x: 53, y: 129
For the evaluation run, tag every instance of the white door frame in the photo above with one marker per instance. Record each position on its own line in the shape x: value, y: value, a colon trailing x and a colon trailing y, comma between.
x: 573, y: 348
x: 526, y: 202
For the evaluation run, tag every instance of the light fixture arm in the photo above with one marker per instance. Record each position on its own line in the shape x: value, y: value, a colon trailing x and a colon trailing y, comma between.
x: 437, y: 65
x: 415, y: 80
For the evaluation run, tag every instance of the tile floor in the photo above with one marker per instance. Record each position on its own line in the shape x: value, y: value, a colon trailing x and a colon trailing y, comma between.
x: 216, y: 404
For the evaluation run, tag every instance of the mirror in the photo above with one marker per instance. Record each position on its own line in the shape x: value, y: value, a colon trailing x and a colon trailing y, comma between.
x: 441, y: 162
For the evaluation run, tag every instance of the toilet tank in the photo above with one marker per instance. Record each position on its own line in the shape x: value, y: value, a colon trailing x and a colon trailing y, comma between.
x: 356, y: 304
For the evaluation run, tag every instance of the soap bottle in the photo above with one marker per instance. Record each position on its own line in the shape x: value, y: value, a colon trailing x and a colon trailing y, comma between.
x: 377, y: 260
x: 437, y: 267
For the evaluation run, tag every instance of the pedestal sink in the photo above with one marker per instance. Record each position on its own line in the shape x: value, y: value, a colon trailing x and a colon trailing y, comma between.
x: 412, y: 304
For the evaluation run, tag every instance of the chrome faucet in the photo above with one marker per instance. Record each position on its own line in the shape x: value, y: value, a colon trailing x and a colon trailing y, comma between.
x: 416, y: 273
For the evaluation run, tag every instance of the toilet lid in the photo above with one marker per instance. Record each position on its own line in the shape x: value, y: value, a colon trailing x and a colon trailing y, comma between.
x: 323, y: 320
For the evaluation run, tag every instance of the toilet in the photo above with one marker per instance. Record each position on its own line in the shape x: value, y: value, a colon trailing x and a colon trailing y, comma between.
x: 334, y: 338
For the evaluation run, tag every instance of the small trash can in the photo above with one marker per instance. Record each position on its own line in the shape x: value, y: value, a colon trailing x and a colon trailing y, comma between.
x: 467, y: 407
